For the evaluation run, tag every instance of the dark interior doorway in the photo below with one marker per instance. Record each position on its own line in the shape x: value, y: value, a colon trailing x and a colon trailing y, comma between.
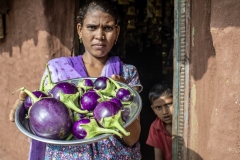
x: 146, y: 41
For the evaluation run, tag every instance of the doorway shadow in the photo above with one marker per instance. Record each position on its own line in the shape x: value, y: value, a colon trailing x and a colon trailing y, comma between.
x: 186, y: 153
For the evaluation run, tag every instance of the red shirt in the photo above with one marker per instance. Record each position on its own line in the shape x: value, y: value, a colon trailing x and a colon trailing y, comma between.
x: 158, y: 137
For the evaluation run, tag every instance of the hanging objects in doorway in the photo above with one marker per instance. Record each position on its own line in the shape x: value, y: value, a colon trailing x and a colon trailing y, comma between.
x: 1, y: 27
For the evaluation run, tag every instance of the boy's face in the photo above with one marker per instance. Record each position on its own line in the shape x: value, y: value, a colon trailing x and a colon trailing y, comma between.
x: 162, y: 107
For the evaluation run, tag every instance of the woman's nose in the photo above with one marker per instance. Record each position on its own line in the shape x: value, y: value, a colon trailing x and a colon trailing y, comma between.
x: 100, y: 34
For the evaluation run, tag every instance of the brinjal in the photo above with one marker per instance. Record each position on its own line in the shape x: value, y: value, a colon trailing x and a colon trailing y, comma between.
x: 108, y: 114
x: 110, y: 87
x: 88, y: 128
x: 105, y: 86
x: 124, y: 94
x: 90, y: 99
x: 117, y: 101
x: 28, y: 101
x: 49, y: 117
x: 86, y: 84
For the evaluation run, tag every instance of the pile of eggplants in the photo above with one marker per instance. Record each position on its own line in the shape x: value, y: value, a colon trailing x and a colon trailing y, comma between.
x: 64, y: 110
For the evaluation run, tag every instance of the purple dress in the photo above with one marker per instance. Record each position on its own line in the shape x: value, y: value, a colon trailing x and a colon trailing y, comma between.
x: 110, y: 148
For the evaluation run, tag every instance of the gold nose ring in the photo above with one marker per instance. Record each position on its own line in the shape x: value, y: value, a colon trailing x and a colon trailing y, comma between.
x: 103, y: 37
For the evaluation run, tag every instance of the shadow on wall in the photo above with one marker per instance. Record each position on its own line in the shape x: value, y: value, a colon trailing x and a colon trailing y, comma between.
x: 192, y: 155
x: 201, y: 29
x: 200, y: 32
x: 25, y: 19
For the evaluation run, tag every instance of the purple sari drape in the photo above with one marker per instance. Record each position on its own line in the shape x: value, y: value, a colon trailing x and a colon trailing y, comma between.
x: 68, y: 68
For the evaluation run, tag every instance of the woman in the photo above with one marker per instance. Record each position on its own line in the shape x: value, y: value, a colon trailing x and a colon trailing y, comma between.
x: 98, y: 29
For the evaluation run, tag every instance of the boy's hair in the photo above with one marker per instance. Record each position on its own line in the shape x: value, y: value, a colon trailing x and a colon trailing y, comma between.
x: 159, y: 90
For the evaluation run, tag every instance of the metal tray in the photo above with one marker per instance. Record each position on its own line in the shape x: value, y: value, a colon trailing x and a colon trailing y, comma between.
x: 23, y: 126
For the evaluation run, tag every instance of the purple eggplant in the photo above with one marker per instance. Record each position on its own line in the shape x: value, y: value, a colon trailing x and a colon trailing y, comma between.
x: 110, y: 87
x: 49, y: 117
x: 68, y: 94
x: 105, y: 86
x: 38, y: 93
x: 108, y: 114
x: 28, y: 101
x: 118, y: 102
x: 88, y: 128
x: 77, y: 116
x: 64, y: 87
x: 86, y: 84
x: 90, y: 99
x: 124, y: 94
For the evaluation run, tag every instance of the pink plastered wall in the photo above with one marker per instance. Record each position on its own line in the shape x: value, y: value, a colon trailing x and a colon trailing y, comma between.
x: 214, y: 127
x: 35, y: 32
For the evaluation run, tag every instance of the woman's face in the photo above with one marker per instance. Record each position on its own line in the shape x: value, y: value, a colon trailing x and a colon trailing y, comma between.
x: 98, y: 33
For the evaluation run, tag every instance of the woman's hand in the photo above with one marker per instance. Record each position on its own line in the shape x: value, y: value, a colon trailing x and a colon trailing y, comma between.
x: 21, y: 98
x: 134, y: 128
x: 118, y: 78
x: 121, y: 79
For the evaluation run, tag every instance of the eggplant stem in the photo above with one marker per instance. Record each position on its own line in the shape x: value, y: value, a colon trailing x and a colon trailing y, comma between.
x: 20, y: 89
x: 100, y: 94
x: 69, y: 99
x: 72, y: 106
x: 69, y: 137
x: 114, y: 82
x: 106, y: 130
x: 41, y: 88
x: 49, y: 75
x: 120, y: 128
x: 29, y: 93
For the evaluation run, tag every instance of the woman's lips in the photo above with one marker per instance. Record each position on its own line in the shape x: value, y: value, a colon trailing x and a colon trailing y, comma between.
x: 99, y: 46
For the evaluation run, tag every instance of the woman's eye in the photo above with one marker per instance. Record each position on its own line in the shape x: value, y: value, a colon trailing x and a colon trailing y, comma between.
x: 107, y: 29
x: 91, y: 27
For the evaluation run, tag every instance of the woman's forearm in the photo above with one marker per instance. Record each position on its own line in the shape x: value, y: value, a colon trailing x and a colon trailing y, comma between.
x: 134, y: 128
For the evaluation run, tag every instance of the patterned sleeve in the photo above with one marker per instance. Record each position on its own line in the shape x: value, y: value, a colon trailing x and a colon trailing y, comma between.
x: 130, y: 73
x: 60, y: 69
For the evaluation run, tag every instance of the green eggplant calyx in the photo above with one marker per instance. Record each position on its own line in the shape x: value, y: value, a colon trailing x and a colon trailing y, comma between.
x: 70, y: 100
x: 93, y: 129
x: 114, y: 122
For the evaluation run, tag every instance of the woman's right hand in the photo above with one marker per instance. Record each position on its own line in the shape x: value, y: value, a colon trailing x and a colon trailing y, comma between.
x: 21, y: 98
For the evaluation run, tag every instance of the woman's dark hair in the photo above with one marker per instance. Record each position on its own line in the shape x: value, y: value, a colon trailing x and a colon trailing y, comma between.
x: 106, y: 6
x: 159, y: 90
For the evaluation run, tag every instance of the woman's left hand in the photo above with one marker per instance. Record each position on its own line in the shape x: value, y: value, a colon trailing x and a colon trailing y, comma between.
x: 118, y: 78
x: 134, y: 128
x: 121, y: 79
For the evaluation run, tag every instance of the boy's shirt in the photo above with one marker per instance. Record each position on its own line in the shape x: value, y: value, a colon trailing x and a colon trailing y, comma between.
x: 158, y: 137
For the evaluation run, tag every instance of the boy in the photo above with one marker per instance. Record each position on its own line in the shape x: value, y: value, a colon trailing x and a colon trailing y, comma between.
x: 160, y: 133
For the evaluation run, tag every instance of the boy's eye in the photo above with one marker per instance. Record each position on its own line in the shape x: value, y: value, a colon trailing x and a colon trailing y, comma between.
x: 158, y: 107
x: 169, y: 104
x: 165, y: 105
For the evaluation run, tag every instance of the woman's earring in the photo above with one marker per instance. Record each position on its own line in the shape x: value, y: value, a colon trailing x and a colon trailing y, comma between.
x: 116, y: 41
x: 80, y: 39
